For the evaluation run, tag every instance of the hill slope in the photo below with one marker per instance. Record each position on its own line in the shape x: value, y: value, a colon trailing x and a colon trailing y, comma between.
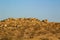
x: 29, y: 29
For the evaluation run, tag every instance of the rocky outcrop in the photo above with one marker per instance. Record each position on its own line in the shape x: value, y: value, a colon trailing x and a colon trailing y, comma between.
x: 29, y: 29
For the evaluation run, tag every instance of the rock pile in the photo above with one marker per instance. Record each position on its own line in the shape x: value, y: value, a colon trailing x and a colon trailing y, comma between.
x: 29, y: 29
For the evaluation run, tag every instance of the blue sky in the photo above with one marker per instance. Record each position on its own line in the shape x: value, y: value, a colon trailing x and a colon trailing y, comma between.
x: 41, y: 9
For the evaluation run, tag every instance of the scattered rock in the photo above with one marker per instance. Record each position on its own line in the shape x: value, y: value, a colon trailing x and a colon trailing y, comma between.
x: 28, y: 29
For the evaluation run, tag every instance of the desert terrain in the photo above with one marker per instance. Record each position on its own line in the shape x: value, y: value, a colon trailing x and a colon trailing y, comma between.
x: 29, y: 29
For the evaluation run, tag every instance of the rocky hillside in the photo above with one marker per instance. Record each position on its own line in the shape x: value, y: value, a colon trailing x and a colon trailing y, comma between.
x: 29, y: 29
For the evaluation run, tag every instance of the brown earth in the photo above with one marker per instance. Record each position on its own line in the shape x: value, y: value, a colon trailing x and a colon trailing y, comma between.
x: 29, y: 29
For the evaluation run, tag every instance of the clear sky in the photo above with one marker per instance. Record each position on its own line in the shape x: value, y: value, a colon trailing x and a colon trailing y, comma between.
x: 41, y: 9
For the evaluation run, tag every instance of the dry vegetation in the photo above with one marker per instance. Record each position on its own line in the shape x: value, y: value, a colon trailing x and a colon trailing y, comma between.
x: 29, y: 29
